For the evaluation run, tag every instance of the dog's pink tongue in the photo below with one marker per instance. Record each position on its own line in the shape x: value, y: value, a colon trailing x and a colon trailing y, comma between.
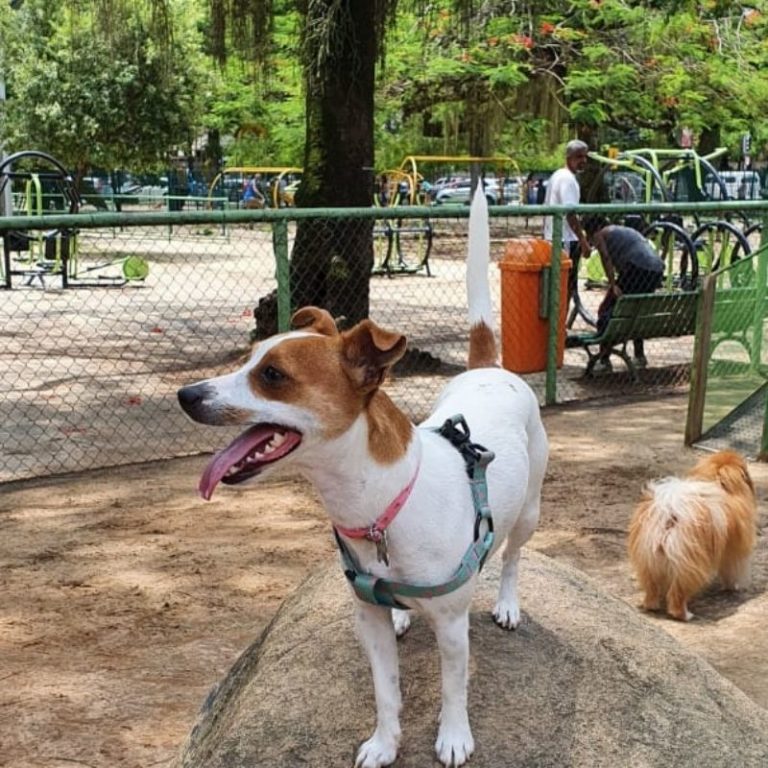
x: 236, y: 451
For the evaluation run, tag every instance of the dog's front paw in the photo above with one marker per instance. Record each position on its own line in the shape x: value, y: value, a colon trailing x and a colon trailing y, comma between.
x: 506, y: 615
x: 376, y: 752
x: 454, y: 745
x: 401, y: 620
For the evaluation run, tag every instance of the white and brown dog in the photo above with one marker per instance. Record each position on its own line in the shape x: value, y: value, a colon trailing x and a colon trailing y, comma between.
x: 399, y: 496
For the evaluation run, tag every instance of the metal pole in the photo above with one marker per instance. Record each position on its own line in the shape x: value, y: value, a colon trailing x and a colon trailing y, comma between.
x: 6, y: 202
x: 761, y: 278
x: 550, y: 393
x: 280, y: 244
x: 757, y: 339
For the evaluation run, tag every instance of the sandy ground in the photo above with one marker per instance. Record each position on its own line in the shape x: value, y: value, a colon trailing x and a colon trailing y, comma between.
x: 124, y: 597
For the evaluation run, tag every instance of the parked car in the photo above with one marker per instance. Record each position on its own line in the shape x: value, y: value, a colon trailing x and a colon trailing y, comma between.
x: 460, y: 194
x: 153, y: 189
x: 739, y: 185
x: 447, y: 182
x: 128, y: 185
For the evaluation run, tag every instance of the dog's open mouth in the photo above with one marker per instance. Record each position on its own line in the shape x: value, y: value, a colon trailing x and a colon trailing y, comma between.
x: 246, y: 456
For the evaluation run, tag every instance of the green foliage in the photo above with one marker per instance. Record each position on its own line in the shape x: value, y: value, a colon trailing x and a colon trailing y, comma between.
x: 126, y: 82
x: 631, y: 72
x: 122, y: 100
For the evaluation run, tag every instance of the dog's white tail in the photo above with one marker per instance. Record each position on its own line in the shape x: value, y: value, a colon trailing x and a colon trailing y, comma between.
x: 483, y: 352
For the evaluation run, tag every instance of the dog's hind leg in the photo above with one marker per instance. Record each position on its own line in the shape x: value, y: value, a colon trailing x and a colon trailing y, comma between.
x: 677, y: 602
x: 455, y: 743
x: 506, y: 613
x: 377, y: 635
x: 736, y: 574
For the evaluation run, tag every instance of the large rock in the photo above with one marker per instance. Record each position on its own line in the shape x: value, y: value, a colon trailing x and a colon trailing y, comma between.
x: 585, y: 682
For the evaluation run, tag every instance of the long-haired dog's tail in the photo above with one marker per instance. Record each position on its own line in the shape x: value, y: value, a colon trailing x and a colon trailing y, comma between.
x: 483, y: 352
x: 677, y: 534
x: 727, y: 468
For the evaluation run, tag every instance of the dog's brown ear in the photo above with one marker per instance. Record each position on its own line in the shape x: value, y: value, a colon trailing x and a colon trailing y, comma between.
x: 314, y: 319
x: 369, y: 352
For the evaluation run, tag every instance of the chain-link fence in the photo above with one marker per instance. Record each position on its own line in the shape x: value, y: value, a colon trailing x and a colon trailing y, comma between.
x: 104, y: 316
x: 728, y: 399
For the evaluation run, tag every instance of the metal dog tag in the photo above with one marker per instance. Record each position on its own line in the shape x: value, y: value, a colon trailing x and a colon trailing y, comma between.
x: 381, y: 548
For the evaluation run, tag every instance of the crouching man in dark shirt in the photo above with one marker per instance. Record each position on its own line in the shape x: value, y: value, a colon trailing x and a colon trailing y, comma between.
x: 631, y: 266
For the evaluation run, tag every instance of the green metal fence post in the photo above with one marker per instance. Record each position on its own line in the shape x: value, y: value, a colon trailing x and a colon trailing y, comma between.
x: 761, y: 276
x: 757, y: 339
x: 699, y: 366
x: 283, y: 274
x: 553, y: 308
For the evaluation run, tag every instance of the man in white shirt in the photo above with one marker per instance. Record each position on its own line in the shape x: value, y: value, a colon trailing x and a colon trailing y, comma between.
x: 563, y: 189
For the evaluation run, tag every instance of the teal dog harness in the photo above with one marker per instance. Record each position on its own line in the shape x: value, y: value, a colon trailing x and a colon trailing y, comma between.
x: 385, y: 592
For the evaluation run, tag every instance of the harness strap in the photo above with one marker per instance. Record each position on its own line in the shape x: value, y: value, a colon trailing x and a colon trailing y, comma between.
x: 385, y: 592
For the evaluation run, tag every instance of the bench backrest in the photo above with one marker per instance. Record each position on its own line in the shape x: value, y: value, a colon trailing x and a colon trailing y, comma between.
x: 651, y: 315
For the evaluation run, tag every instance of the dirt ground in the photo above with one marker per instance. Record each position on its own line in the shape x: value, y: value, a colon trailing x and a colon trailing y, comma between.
x: 124, y: 597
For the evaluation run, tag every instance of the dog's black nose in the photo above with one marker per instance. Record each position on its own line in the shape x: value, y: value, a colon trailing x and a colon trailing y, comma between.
x: 192, y: 397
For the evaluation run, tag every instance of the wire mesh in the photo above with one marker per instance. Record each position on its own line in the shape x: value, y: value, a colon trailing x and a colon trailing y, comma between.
x: 102, y: 323
x: 734, y: 411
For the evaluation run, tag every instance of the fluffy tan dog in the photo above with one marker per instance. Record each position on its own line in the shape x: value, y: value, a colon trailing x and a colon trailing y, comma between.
x: 686, y: 530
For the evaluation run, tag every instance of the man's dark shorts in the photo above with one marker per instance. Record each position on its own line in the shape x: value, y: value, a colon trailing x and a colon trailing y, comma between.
x: 629, y: 281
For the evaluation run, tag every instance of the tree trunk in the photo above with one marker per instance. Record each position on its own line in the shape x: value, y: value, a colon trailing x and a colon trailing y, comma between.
x: 332, y: 258
x: 709, y: 141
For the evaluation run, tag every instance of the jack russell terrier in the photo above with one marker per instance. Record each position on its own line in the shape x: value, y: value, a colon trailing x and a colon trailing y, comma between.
x: 415, y: 510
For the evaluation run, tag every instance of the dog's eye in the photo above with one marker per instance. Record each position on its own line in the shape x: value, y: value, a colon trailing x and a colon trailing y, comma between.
x: 272, y: 375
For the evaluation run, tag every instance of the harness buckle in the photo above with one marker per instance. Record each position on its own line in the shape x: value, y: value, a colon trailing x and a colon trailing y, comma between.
x: 456, y: 431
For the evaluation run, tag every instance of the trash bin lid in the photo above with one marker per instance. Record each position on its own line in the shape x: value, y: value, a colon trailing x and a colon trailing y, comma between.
x: 529, y: 255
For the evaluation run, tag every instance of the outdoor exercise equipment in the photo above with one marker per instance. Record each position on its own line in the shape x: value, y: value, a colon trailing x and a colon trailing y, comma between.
x: 400, y: 246
x: 664, y: 175
x: 679, y: 175
x: 40, y: 185
x: 673, y: 162
x: 720, y: 244
x: 277, y: 183
x: 403, y: 247
x: 638, y: 180
x: 676, y: 248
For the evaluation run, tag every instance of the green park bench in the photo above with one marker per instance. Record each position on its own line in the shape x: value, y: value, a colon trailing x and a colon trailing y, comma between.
x: 639, y: 316
x: 733, y: 315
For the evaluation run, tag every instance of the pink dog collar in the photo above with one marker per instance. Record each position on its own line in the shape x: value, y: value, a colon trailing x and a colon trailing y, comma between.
x: 376, y: 532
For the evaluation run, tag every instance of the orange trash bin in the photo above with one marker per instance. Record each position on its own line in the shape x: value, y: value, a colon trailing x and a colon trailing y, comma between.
x: 524, y: 301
